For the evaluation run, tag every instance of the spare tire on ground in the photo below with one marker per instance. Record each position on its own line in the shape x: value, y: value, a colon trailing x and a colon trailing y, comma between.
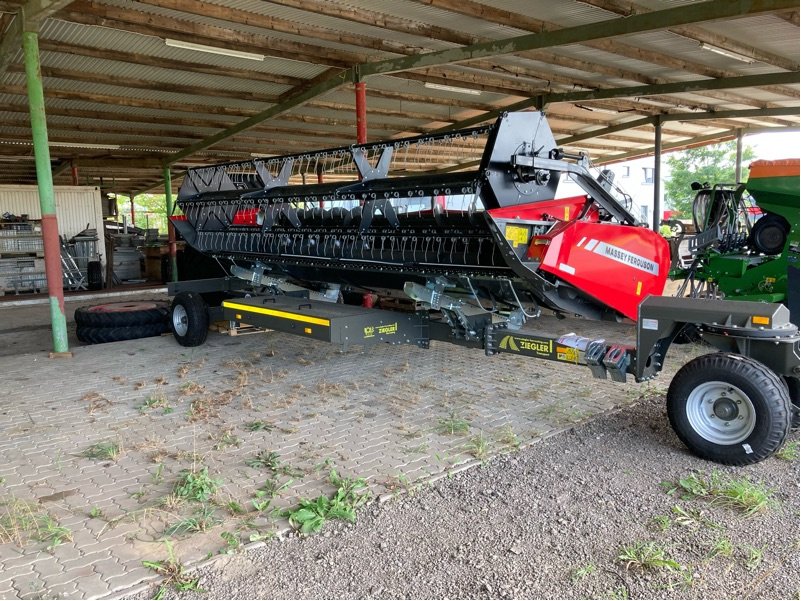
x: 116, y: 334
x: 126, y: 320
x: 123, y: 314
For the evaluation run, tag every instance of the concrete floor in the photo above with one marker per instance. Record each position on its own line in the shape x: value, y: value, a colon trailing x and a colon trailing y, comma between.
x: 380, y: 413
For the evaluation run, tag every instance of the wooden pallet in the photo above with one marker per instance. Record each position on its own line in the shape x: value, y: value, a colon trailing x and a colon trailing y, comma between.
x: 224, y: 327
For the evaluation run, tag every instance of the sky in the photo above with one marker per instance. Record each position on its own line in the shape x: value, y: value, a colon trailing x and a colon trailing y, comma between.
x: 773, y: 146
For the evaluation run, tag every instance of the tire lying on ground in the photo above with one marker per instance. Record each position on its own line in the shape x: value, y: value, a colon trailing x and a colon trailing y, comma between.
x: 122, y: 314
x: 117, y: 334
x: 128, y: 320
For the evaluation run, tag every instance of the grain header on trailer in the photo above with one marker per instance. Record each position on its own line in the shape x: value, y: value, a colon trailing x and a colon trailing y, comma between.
x: 481, y: 248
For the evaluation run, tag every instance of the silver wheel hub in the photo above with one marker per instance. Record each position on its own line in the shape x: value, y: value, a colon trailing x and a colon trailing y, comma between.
x: 721, y: 413
x: 180, y: 320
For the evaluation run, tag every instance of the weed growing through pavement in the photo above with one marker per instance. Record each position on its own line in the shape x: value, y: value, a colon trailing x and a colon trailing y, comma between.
x: 173, y: 572
x: 188, y: 388
x: 507, y: 437
x: 227, y: 439
x: 789, y: 452
x: 452, y: 425
x: 264, y: 496
x: 157, y: 400
x: 95, y: 513
x: 232, y: 543
x: 736, y: 493
x: 647, y: 556
x: 157, y: 477
x: 108, y: 450
x: 22, y: 521
x: 200, y: 521
x: 258, y: 426
x: 235, y: 508
x: 270, y: 460
x: 310, y: 515
x: 479, y: 446
x: 196, y: 485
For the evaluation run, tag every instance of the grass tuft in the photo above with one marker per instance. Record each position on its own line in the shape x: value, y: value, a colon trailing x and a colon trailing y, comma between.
x: 103, y: 451
x: 739, y: 494
x: 789, y: 452
x: 173, y: 572
x: 647, y: 556
x: 453, y: 425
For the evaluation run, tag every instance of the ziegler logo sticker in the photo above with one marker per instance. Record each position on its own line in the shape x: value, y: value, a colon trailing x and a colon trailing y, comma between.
x: 621, y: 255
x: 387, y: 330
x: 527, y: 346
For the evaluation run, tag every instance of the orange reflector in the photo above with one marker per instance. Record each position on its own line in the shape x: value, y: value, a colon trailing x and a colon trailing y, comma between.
x: 307, y: 330
x: 760, y: 321
x: 639, y: 288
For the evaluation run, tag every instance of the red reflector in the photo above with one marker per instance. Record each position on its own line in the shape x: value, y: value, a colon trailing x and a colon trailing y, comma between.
x: 245, y: 217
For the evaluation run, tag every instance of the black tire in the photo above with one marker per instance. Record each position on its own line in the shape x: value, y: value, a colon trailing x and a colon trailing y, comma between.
x: 714, y: 392
x: 94, y: 275
x: 769, y: 234
x: 189, y: 319
x: 122, y: 314
x: 792, y: 384
x: 116, y: 334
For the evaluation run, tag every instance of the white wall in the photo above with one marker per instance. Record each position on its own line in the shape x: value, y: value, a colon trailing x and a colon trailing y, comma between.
x: 77, y: 207
x: 631, y: 178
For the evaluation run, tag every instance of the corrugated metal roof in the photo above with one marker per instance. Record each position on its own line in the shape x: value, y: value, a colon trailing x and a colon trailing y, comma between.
x: 666, y: 57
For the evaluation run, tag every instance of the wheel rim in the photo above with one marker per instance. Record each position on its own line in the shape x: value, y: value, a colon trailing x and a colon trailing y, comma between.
x: 180, y: 320
x: 721, y: 413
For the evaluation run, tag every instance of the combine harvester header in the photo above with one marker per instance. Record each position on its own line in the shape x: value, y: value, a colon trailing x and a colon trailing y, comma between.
x: 469, y: 226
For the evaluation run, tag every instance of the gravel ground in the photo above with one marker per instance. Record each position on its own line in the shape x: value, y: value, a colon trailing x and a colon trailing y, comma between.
x: 545, y: 522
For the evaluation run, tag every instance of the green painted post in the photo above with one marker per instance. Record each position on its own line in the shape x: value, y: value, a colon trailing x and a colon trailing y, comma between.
x: 44, y: 178
x: 170, y: 228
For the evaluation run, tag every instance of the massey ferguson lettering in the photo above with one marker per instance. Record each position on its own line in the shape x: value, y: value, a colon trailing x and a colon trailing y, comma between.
x: 627, y: 258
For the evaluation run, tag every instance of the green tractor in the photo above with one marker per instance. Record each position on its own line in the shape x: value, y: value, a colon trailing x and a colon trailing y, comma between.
x: 746, y: 245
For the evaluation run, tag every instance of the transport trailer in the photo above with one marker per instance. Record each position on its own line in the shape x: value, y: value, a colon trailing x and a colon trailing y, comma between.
x: 478, y: 246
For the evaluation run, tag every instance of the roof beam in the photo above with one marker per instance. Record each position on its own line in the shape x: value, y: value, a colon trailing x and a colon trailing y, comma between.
x: 744, y: 114
x: 639, y: 91
x: 486, y: 13
x: 657, y: 20
x: 164, y: 63
x: 288, y: 104
x: 698, y: 34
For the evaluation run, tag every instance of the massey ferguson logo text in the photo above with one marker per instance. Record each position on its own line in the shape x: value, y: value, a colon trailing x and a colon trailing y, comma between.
x: 621, y: 256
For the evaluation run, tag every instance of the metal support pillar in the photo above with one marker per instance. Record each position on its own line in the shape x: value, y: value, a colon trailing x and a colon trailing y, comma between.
x: 361, y: 112
x: 656, y: 219
x: 131, y: 196
x: 47, y: 203
x: 170, y: 227
x: 738, y: 163
x: 74, y: 172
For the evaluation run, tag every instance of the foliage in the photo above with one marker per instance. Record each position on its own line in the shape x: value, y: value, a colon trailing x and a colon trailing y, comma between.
x: 196, y: 485
x: 150, y: 210
x: 310, y: 515
x: 789, y: 452
x: 706, y: 164
x: 103, y: 451
x: 173, y: 572
x: 647, y: 556
x: 736, y: 493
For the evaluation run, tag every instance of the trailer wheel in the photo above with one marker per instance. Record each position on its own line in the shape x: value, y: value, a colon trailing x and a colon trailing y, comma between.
x: 729, y: 409
x: 792, y: 385
x: 189, y: 319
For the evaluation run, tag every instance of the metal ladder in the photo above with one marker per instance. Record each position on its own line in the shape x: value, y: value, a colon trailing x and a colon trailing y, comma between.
x: 73, y: 277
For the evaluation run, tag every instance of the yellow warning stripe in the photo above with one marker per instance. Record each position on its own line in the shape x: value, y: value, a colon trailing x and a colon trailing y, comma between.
x: 276, y: 313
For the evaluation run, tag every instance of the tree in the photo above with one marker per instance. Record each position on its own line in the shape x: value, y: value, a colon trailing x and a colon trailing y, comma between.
x: 706, y: 164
